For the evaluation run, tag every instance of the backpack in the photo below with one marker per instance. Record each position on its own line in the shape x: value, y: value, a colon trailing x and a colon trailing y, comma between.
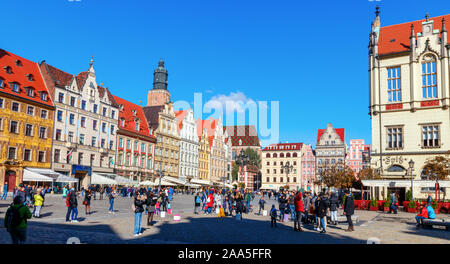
x: 273, y: 213
x: 198, y: 200
x: 13, y: 217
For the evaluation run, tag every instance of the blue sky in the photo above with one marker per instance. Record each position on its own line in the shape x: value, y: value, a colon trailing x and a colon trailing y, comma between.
x: 311, y: 56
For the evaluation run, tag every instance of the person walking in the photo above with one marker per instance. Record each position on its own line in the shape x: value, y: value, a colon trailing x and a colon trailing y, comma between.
x: 38, y: 201
x: 69, y: 209
x: 334, y: 203
x: 210, y: 201
x: 261, y: 204
x: 197, y: 203
x: 248, y: 199
x: 299, y: 210
x: 239, y: 204
x: 112, y: 195
x: 392, y: 207
x: 5, y: 191
x: 307, y: 206
x: 102, y: 191
x: 73, y: 203
x: 273, y: 216
x: 87, y: 202
x: 324, y: 205
x: 16, y: 221
x: 349, y: 209
x: 64, y: 192
x: 138, y: 207
x: 292, y: 205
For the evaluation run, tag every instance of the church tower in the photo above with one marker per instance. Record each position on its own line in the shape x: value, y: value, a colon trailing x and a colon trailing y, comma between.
x: 159, y: 95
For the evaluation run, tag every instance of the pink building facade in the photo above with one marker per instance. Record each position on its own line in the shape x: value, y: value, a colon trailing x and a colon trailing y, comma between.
x: 354, y: 157
x: 308, y: 168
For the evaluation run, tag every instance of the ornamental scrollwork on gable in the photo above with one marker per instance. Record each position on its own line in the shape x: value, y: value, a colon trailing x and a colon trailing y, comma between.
x: 428, y: 49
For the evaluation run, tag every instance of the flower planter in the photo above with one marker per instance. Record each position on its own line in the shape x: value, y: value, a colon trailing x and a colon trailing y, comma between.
x: 386, y: 209
x: 412, y: 210
x: 373, y: 208
x: 436, y: 211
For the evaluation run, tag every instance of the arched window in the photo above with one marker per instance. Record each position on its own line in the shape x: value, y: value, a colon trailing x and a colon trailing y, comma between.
x: 274, y: 155
x: 281, y: 155
x: 396, y: 168
x: 429, y: 78
x: 288, y: 155
x: 267, y: 155
x: 294, y: 155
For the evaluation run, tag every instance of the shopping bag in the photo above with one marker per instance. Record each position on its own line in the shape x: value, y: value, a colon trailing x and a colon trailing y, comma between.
x: 238, y: 216
x: 286, y: 218
x: 264, y: 212
x: 163, y: 214
x: 176, y: 218
x: 169, y: 211
x: 217, y: 210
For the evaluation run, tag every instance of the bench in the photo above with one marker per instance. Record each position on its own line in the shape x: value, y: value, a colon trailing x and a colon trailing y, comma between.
x: 340, y: 218
x: 438, y: 222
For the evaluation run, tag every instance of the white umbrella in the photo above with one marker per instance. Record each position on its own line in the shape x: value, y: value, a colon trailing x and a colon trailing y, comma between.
x: 148, y: 183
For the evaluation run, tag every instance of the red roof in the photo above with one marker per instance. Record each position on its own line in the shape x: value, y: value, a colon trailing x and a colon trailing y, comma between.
x: 292, y: 146
x: 339, y: 131
x: 180, y: 116
x: 210, y: 125
x: 395, y: 38
x: 246, y: 134
x: 130, y: 118
x: 19, y: 74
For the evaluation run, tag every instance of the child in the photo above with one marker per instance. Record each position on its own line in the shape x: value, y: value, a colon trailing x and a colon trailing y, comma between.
x: 273, y: 216
x: 261, y: 204
x: 157, y: 208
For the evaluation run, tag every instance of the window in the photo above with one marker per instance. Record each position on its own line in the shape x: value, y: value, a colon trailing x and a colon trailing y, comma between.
x: 111, y: 144
x: 44, y: 96
x: 61, y: 98
x: 70, y: 137
x: 102, y: 144
x: 395, y: 137
x: 82, y: 139
x: 112, y: 130
x: 56, y: 155
x: 41, y: 156
x: 136, y: 146
x: 113, y: 114
x: 394, y: 85
x: 274, y: 171
x: 94, y: 124
x: 1, y: 102
x: 92, y: 159
x: 27, y: 155
x: 93, y: 141
x: 430, y: 136
x: 59, y: 116
x: 128, y: 144
x: 83, y: 121
x: 128, y: 160
x: 72, y: 119
x: 30, y: 110
x: 30, y: 91
x: 28, y: 130
x: 137, y: 126
x: 1, y: 124
x: 72, y: 101
x: 44, y: 114
x: 104, y: 111
x: 15, y: 107
x: 142, y: 147
x: 80, y: 158
x: 58, y: 134
x: 122, y: 122
x: 120, y: 159
x: 95, y: 109
x: 120, y: 143
x: 15, y: 87
x: 1, y: 83
x: 429, y: 84
x: 83, y: 104
x: 14, y: 127
x: 12, y: 153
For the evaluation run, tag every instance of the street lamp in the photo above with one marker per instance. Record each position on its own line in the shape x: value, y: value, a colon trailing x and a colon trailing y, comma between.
x: 243, y: 160
x: 160, y: 172
x: 411, y: 167
x: 288, y: 168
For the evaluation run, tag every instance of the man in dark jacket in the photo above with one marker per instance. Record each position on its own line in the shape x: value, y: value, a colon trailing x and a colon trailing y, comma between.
x: 349, y: 208
x: 334, y: 204
x: 324, y: 205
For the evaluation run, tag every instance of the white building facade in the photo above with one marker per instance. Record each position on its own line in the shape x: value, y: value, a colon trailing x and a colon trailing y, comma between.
x: 189, y: 144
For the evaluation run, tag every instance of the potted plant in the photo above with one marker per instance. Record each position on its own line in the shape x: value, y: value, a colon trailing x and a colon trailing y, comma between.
x: 387, y: 204
x: 412, y: 207
x: 373, y: 205
x: 434, y: 205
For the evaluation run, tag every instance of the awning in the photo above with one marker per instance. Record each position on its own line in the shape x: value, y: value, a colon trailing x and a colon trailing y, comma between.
x: 403, y: 183
x: 120, y: 180
x: 164, y: 183
x: 191, y: 185
x: 57, y: 177
x: 175, y: 180
x: 201, y: 182
x: 29, y: 175
x: 99, y: 179
x: 148, y: 183
x: 270, y: 187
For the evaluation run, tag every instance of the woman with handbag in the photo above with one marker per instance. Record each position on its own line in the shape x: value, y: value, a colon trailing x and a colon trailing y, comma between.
x: 87, y: 202
x: 151, y: 203
x: 138, y: 208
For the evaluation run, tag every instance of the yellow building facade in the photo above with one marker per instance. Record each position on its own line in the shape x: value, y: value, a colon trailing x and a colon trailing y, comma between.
x: 204, y: 152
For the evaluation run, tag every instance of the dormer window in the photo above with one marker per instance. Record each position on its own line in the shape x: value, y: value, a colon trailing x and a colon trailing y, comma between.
x: 1, y: 83
x: 134, y: 112
x: 30, y: 77
x: 137, y: 126
x: 8, y: 69
x: 44, y: 96
x: 122, y: 122
x: 30, y: 91
x: 15, y: 87
x: 19, y: 63
x: 121, y: 107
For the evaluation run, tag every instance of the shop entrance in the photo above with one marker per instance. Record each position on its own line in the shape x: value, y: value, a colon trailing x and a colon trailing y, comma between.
x: 401, y: 191
x: 10, y: 178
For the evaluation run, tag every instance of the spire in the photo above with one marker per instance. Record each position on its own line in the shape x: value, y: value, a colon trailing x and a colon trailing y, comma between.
x: 377, y: 18
x: 91, y: 66
x: 412, y: 32
x: 444, y: 29
x: 427, y: 16
x: 160, y: 76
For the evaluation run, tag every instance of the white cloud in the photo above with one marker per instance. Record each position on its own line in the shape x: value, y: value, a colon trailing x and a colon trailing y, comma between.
x: 234, y: 102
